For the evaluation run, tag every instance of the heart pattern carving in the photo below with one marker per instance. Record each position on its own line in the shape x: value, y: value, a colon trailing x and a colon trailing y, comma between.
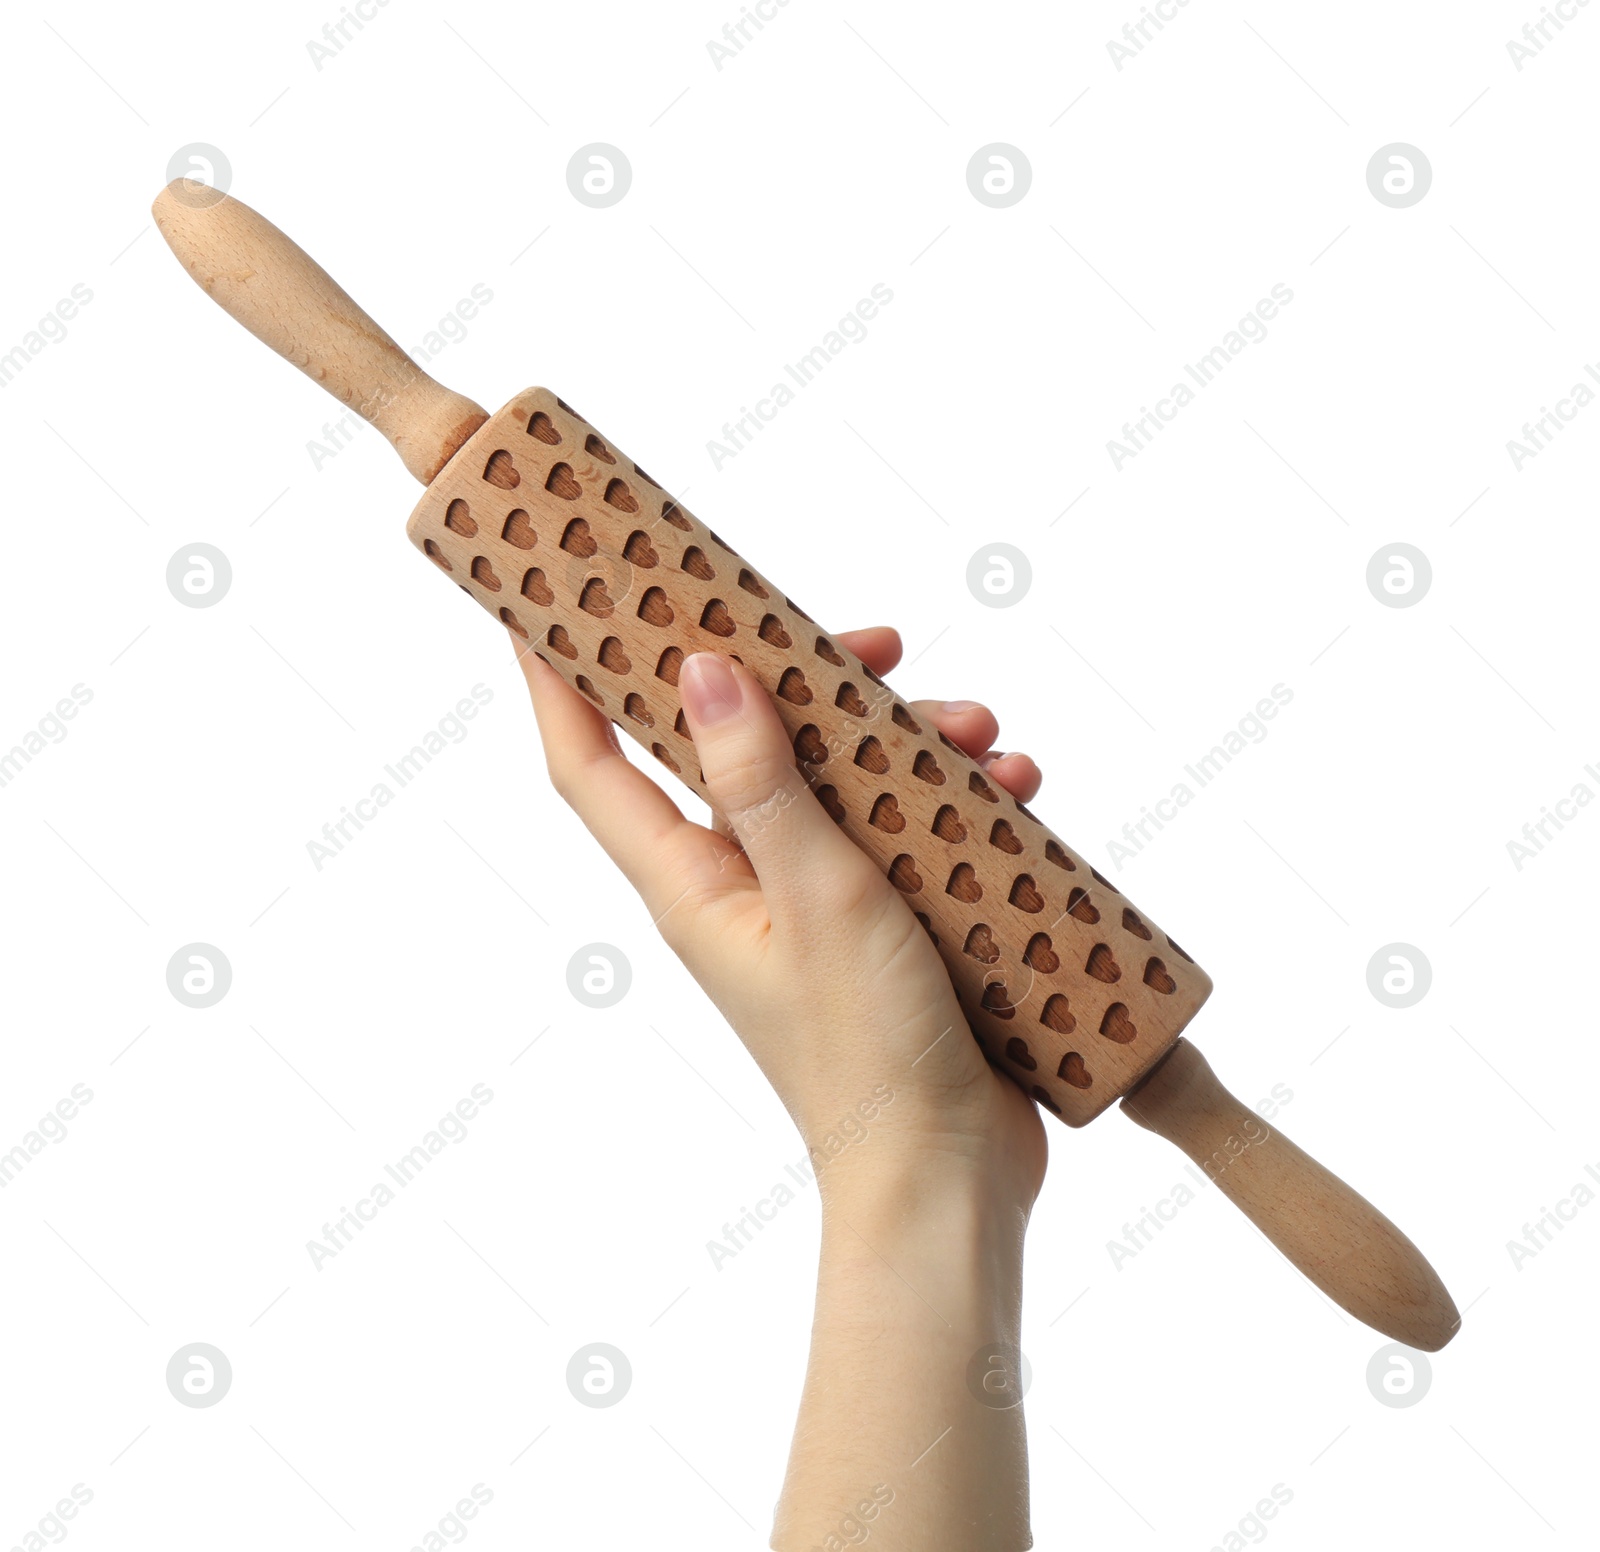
x: 1042, y: 949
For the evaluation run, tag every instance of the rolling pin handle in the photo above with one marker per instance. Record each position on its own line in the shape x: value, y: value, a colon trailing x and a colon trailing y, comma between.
x: 1335, y: 1236
x: 266, y: 282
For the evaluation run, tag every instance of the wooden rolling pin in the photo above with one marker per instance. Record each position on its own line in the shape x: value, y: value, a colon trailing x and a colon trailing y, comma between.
x: 567, y: 542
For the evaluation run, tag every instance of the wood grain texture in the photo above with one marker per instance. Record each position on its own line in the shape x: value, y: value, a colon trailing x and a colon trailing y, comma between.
x: 561, y: 537
x: 262, y: 279
x: 1334, y: 1235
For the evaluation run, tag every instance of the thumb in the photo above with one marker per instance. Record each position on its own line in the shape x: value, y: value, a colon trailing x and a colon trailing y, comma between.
x: 749, y: 766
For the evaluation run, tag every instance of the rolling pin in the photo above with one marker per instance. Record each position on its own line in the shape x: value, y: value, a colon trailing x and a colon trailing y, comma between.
x: 573, y: 547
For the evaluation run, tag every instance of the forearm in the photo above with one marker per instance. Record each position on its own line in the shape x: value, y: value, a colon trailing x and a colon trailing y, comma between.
x: 900, y: 1443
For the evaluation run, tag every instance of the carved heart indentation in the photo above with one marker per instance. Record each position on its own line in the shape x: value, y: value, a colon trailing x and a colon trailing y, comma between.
x: 1101, y: 879
x: 1041, y: 955
x: 695, y: 563
x: 671, y: 514
x: 904, y: 719
x: 1116, y: 1025
x: 809, y: 745
x: 563, y: 483
x: 595, y: 600
x: 1018, y: 1052
x: 721, y: 544
x: 435, y: 554
x: 535, y: 588
x: 716, y: 619
x: 886, y: 814
x: 1057, y: 1016
x: 904, y: 876
x: 1102, y: 964
x: 926, y: 768
x: 614, y: 656
x: 1131, y: 922
x: 927, y: 927
x: 1025, y: 894
x: 980, y: 945
x: 1081, y: 906
x: 544, y: 428
x: 501, y: 472
x: 577, y: 540
x: 671, y: 662
x: 660, y: 752
x: 1043, y: 1095
x: 824, y: 650
x: 483, y: 574
x: 639, y: 551
x: 798, y: 610
x: 947, y: 826
x: 636, y: 708
x: 792, y: 687
x: 508, y: 618
x: 998, y: 1001
x: 870, y: 756
x: 976, y: 784
x: 747, y: 580
x: 848, y: 700
x: 680, y: 726
x: 458, y: 516
x: 588, y: 689
x: 1155, y: 974
x: 595, y: 448
x: 964, y: 884
x: 518, y: 530
x: 654, y: 608
x: 619, y: 496
x: 561, y: 641
x: 1073, y: 1071
x: 1178, y: 951
x: 773, y: 633
x: 828, y: 797
x: 1003, y: 837
x: 1056, y: 853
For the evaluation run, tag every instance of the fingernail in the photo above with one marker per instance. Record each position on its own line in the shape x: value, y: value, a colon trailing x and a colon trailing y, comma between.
x: 990, y: 758
x: 710, y: 692
x: 959, y: 706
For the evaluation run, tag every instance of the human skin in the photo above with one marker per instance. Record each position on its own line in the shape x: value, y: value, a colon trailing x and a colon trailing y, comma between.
x: 834, y: 987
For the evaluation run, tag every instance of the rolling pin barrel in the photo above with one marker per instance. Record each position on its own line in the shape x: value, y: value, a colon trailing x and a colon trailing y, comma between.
x: 558, y: 534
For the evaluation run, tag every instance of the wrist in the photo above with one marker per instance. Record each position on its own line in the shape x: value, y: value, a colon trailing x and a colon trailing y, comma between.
x: 907, y: 1186
x: 953, y: 1237
x: 917, y: 1158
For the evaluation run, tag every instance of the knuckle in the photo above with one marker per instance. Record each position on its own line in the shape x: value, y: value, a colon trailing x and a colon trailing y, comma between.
x: 693, y: 906
x: 560, y: 774
x: 756, y: 789
x: 569, y: 776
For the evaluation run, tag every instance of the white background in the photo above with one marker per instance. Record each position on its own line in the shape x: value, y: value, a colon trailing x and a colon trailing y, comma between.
x: 1167, y: 198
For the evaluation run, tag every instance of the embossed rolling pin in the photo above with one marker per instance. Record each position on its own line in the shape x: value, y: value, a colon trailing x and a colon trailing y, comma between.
x: 1070, y: 989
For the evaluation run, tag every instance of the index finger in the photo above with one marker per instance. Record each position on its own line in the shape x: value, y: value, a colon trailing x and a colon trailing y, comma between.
x: 661, y: 853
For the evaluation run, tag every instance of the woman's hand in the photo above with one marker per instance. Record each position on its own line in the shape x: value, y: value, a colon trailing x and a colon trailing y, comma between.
x: 927, y: 1159
x: 811, y: 954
